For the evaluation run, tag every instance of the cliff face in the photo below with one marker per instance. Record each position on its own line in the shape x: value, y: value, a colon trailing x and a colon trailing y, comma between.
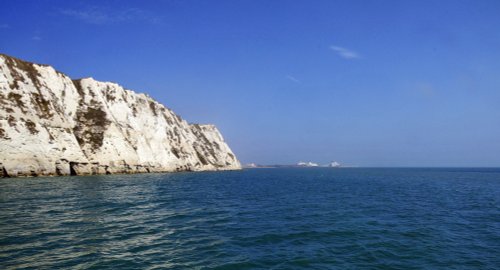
x: 52, y: 125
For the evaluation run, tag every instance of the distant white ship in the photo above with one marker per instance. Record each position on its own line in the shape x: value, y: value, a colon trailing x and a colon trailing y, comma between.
x: 334, y: 164
x: 307, y: 164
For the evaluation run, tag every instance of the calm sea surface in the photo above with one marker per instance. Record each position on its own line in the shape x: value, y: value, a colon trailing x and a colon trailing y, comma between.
x: 317, y: 218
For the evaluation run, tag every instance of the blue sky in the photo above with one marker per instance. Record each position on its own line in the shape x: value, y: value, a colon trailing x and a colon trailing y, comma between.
x: 365, y: 83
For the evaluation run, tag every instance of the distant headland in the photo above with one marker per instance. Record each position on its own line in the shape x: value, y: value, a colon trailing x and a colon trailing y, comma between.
x: 299, y: 164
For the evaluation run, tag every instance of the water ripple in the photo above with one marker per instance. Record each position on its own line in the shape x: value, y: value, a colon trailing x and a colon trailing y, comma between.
x: 254, y: 219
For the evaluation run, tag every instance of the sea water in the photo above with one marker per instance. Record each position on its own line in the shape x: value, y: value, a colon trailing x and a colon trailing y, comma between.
x: 296, y: 218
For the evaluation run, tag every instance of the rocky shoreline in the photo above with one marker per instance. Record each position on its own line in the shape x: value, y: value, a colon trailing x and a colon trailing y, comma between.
x: 53, y: 125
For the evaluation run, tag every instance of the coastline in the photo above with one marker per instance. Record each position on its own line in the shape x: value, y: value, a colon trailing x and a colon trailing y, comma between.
x: 52, y: 125
x: 131, y: 172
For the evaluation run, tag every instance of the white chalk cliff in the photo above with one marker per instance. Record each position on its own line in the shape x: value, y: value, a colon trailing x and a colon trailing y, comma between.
x: 53, y: 125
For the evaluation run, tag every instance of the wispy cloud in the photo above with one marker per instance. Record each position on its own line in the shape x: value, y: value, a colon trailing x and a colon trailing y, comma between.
x: 36, y: 38
x: 292, y: 78
x: 345, y: 53
x: 4, y: 26
x: 95, y: 15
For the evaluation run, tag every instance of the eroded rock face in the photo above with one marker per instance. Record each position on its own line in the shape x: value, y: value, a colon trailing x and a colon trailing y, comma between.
x: 52, y: 125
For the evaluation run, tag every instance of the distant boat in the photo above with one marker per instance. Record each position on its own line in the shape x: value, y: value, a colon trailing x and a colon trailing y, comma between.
x: 334, y: 164
x: 307, y: 164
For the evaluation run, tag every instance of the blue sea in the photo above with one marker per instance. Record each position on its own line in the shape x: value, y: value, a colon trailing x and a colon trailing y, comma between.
x: 293, y: 218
